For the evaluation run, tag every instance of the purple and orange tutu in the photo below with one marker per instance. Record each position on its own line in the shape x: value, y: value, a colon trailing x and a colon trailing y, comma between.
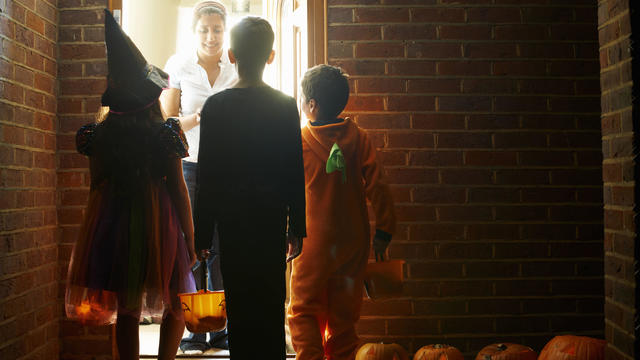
x: 131, y: 255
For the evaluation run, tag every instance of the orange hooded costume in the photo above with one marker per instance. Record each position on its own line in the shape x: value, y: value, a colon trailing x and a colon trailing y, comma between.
x: 327, y: 278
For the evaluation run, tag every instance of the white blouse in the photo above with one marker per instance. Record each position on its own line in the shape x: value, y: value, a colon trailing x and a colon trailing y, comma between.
x: 191, y: 79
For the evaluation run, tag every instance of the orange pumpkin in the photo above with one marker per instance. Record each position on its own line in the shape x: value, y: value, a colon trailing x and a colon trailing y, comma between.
x: 571, y: 347
x: 438, y: 352
x: 90, y: 306
x: 506, y: 351
x: 381, y: 352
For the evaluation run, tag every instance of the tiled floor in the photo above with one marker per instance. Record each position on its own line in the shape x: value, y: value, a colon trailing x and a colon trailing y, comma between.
x: 150, y: 336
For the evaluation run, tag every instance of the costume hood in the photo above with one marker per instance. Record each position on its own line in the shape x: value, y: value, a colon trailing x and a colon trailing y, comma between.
x: 133, y: 84
x: 322, y: 138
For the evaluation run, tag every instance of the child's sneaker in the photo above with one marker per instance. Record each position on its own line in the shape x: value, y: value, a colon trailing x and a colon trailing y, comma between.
x: 193, y: 348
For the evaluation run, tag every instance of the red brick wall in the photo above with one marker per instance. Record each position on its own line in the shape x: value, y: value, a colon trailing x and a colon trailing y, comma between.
x: 486, y: 115
x: 614, y: 28
x: 81, y: 75
x: 29, y: 311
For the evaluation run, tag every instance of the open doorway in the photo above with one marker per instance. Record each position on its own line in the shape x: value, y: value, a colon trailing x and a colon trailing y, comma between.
x: 161, y: 28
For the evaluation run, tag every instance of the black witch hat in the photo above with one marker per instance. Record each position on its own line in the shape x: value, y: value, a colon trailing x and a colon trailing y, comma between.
x: 133, y: 84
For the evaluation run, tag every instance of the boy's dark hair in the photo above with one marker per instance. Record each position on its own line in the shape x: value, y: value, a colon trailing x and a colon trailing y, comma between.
x: 329, y: 87
x: 252, y: 41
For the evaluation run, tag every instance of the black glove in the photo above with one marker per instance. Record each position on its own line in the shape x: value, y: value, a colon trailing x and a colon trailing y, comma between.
x: 381, y: 241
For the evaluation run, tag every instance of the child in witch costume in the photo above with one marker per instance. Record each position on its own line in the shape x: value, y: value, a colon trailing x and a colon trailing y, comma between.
x: 250, y: 179
x: 341, y: 172
x: 135, y: 248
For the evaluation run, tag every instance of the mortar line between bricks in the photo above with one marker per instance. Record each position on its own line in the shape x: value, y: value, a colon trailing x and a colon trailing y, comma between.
x: 453, y: 24
x: 623, y: 86
x: 484, y: 335
x: 612, y: 43
x: 617, y: 207
x: 26, y: 147
x: 473, y: 316
x: 469, y: 41
x: 30, y: 49
x: 619, y: 160
x: 615, y: 66
x: 460, y: 6
x: 24, y: 168
x: 42, y: 18
x: 498, y: 186
x: 614, y: 19
x: 28, y: 87
x: 618, y: 232
x: 618, y: 111
x: 613, y: 324
x: 511, y: 260
x: 37, y: 71
x: 474, y: 59
x: 461, y: 76
x: 30, y: 269
x: 84, y: 7
x: 617, y: 135
x: 28, y: 127
x: 23, y: 106
x: 617, y: 255
x: 501, y: 222
x: 500, y: 204
x: 19, y: 231
x: 478, y: 94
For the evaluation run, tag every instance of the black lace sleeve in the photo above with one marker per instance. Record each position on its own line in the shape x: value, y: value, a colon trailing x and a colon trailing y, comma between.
x: 173, y: 139
x: 84, y: 138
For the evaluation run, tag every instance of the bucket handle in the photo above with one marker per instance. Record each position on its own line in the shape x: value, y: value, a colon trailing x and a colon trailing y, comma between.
x: 204, y: 254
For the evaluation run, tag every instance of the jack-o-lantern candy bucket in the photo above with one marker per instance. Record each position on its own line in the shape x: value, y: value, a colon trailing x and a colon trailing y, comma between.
x: 204, y: 311
x: 90, y: 306
x: 383, y: 279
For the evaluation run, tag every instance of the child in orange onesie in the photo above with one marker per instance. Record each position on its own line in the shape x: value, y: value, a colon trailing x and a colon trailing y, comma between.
x: 341, y: 173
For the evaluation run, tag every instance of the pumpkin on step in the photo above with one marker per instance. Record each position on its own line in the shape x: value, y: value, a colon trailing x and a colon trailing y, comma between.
x: 381, y: 352
x: 438, y: 352
x: 506, y: 351
x: 571, y: 347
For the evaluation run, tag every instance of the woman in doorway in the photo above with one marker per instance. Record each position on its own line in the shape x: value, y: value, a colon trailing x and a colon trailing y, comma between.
x: 192, y: 79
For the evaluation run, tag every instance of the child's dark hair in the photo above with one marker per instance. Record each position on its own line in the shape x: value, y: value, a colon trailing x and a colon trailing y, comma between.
x: 252, y: 41
x: 329, y: 87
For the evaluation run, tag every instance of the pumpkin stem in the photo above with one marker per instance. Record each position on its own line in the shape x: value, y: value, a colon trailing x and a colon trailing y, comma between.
x: 502, y: 347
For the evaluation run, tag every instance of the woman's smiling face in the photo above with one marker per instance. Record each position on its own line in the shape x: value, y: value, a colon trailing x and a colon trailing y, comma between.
x: 210, y: 34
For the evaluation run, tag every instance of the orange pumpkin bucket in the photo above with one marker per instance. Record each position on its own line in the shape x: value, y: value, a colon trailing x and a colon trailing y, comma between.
x: 204, y: 311
x: 383, y: 279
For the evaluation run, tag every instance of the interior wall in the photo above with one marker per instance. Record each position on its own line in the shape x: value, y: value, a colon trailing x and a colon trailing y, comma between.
x: 487, y: 118
x: 152, y: 25
x: 82, y: 69
x: 29, y: 307
x: 620, y: 172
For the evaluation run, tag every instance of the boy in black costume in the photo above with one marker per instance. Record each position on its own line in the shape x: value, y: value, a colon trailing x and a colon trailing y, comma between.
x: 250, y: 180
